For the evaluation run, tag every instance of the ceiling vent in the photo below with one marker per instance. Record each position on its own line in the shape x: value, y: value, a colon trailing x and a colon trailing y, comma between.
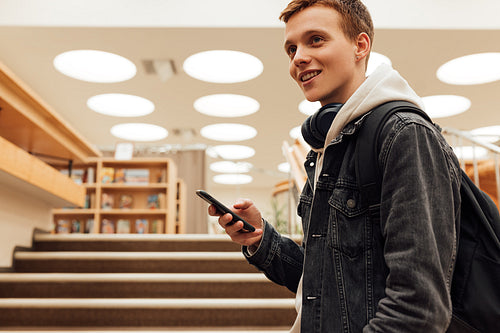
x: 164, y: 69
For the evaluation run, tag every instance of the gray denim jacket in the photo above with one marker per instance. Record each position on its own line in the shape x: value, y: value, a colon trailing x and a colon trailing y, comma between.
x: 370, y: 275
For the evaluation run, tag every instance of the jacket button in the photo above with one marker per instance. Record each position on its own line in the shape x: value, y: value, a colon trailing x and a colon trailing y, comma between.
x: 311, y: 164
x: 351, y: 203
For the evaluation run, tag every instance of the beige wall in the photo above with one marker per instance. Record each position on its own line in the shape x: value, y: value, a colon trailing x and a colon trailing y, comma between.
x: 20, y: 214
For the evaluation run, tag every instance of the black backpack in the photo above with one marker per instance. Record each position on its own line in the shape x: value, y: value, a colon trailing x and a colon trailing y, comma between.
x: 475, y: 289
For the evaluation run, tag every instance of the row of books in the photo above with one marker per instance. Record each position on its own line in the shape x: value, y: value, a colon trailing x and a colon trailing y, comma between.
x: 124, y: 226
x: 65, y: 226
x: 81, y: 176
x: 127, y: 176
x: 126, y: 201
x: 109, y: 226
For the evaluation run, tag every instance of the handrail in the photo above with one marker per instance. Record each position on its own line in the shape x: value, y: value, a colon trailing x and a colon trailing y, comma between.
x: 494, y: 149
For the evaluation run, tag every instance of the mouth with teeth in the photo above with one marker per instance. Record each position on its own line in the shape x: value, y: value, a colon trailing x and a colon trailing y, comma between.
x: 309, y: 76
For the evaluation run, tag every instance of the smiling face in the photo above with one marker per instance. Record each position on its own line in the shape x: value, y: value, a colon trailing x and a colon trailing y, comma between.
x: 326, y: 65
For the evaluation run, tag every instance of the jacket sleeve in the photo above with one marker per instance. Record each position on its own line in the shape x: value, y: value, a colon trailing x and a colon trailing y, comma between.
x: 278, y: 257
x: 419, y: 209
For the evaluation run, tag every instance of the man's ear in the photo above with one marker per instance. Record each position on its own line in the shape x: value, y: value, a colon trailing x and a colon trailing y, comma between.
x: 363, y: 46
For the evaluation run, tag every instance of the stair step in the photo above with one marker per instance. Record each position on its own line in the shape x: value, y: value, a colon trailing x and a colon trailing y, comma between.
x: 131, y: 262
x: 134, y: 242
x: 146, y: 312
x: 158, y: 330
x: 140, y: 285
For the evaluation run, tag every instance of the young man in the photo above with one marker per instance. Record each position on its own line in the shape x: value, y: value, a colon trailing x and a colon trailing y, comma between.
x: 359, y: 274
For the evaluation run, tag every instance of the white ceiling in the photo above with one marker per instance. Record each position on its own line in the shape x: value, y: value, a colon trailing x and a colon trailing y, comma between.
x: 418, y: 36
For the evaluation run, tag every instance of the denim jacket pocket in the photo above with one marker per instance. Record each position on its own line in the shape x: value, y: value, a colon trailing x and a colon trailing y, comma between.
x: 304, y: 211
x: 348, y: 222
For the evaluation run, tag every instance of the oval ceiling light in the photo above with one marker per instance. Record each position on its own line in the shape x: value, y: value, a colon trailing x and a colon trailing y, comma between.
x: 120, y: 105
x: 308, y: 108
x: 226, y: 105
x: 295, y: 132
x: 228, y: 132
x: 139, y: 132
x: 230, y: 167
x: 471, y: 69
x: 487, y: 134
x: 223, y: 66
x: 469, y: 153
x: 232, y: 179
x: 375, y: 60
x: 95, y: 66
x: 440, y: 106
x: 231, y: 152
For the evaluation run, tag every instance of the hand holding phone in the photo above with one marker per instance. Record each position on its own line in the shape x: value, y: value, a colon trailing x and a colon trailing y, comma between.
x: 222, y: 209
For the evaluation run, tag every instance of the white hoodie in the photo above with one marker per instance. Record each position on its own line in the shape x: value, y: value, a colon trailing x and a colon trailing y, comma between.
x: 383, y: 85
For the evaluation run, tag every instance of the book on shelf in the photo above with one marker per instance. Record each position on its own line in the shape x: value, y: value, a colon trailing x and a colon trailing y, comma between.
x: 89, y: 226
x: 76, y: 226
x: 107, y: 175
x: 125, y: 201
x: 157, y: 226
x: 153, y: 201
x: 141, y: 226
x: 90, y: 175
x: 137, y: 176
x: 89, y: 200
x: 107, y: 226
x: 108, y: 201
x: 123, y: 226
x: 161, y: 200
x: 119, y: 176
x: 62, y: 226
x: 77, y: 175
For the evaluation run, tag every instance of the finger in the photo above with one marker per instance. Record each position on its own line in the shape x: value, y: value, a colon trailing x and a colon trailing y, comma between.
x: 212, y: 211
x: 242, y: 204
x: 225, y: 220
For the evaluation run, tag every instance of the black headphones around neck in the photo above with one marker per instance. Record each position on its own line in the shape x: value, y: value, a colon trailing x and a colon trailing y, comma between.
x: 315, y: 127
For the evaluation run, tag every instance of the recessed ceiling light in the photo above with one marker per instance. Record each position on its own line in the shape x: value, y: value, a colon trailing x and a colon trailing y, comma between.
x: 139, y: 132
x: 487, y: 134
x: 295, y: 132
x: 308, y: 108
x: 232, y: 179
x: 228, y: 132
x: 469, y: 152
x: 230, y: 167
x: 231, y: 152
x: 471, y: 69
x: 95, y: 66
x: 223, y: 66
x: 120, y: 105
x: 226, y: 105
x: 284, y: 167
x: 375, y: 60
x: 440, y: 106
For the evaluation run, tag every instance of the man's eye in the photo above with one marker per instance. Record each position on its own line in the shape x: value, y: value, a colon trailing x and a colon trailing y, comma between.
x: 316, y: 39
x: 291, y: 50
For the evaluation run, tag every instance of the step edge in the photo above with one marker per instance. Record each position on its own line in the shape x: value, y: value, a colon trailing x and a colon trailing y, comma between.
x: 107, y: 255
x: 131, y: 277
x: 148, y: 303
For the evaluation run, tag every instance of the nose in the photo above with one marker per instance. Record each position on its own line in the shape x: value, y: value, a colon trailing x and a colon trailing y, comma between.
x: 301, y: 56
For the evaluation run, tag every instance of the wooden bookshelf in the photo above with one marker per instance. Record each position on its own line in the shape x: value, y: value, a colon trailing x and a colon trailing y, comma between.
x: 29, y: 129
x: 137, y: 189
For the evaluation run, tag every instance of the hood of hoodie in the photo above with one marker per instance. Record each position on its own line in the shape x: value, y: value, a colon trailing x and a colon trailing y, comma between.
x: 383, y: 85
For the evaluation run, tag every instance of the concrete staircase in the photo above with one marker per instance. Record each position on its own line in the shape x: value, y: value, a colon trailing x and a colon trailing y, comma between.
x: 188, y: 283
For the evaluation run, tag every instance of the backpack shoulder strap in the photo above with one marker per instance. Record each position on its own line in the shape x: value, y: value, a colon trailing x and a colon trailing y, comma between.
x: 366, y: 151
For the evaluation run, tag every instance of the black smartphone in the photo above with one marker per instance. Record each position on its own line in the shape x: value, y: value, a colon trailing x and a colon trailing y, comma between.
x: 223, y: 209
